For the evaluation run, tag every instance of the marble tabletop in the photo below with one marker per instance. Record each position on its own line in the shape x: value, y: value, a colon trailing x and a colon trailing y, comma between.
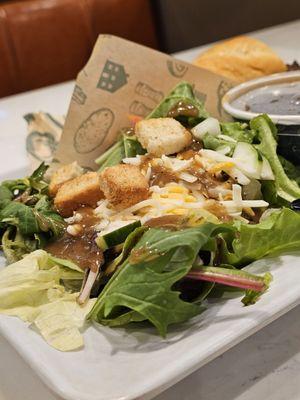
x: 264, y: 366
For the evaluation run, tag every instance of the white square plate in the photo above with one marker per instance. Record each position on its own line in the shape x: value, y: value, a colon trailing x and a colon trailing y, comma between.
x: 128, y: 364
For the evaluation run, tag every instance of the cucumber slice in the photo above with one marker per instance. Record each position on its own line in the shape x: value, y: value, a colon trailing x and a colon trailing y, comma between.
x: 209, y: 125
x: 247, y: 160
x: 266, y: 171
x: 223, y: 149
x: 117, y: 236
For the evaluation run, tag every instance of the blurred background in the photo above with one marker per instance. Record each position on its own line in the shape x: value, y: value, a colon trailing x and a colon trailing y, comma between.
x: 43, y: 42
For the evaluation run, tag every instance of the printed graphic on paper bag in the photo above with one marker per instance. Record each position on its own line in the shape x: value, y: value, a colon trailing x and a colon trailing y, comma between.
x: 41, y: 145
x: 113, y: 77
x: 221, y: 90
x: 143, y: 89
x: 176, y: 68
x: 78, y: 95
x: 139, y: 108
x: 92, y: 132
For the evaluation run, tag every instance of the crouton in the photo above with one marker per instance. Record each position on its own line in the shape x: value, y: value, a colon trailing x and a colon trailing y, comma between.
x: 80, y: 191
x: 123, y: 185
x: 63, y: 174
x: 162, y: 135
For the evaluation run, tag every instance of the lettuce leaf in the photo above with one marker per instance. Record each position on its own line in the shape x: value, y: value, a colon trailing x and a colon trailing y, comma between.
x: 60, y: 321
x: 277, y: 234
x: 286, y: 188
x: 214, y: 143
x: 141, y: 289
x: 238, y: 131
x: 31, y: 289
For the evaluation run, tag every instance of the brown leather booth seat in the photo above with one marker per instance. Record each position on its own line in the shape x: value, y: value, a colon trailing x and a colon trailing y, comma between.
x: 43, y: 42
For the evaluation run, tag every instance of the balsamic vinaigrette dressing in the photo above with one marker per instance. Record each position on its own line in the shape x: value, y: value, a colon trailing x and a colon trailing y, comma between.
x: 183, y: 108
x: 81, y: 249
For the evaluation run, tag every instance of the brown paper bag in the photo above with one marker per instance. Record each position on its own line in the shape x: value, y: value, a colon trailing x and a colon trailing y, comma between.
x: 121, y: 82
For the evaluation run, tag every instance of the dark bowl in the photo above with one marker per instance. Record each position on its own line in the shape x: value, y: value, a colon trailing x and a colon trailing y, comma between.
x: 289, y: 142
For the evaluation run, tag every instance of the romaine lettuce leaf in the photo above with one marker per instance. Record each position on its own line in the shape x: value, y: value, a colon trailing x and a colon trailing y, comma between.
x: 31, y: 289
x: 277, y: 234
x: 286, y: 188
x: 141, y: 289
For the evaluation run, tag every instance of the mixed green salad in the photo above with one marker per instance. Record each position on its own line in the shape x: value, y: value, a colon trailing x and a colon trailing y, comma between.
x: 181, y: 203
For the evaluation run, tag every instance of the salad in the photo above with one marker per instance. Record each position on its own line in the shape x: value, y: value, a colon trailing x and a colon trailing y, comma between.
x: 179, y: 206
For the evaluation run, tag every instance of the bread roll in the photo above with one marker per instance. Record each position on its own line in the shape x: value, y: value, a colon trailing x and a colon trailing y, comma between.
x: 241, y: 58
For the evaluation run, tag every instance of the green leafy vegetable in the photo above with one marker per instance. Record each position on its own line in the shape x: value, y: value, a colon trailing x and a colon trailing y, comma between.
x: 112, y: 156
x: 252, y: 296
x: 36, y: 179
x: 129, y: 243
x: 27, y: 217
x: 15, y: 245
x: 132, y: 146
x: 129, y: 146
x: 253, y: 285
x: 5, y: 196
x: 31, y: 289
x: 214, y: 143
x: 277, y: 234
x: 126, y: 146
x: 290, y: 169
x: 143, y: 283
x: 238, y: 131
x: 286, y: 188
x: 183, y: 92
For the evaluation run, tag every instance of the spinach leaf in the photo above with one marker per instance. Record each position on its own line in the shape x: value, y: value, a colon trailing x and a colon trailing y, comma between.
x: 34, y: 183
x: 36, y: 179
x: 5, y: 196
x: 27, y: 217
x: 183, y: 92
x: 129, y: 243
x: 22, y: 215
x: 49, y: 221
x: 142, y: 287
